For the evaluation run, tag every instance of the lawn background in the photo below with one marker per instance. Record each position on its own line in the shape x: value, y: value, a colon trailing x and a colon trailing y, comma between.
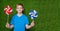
x: 48, y: 14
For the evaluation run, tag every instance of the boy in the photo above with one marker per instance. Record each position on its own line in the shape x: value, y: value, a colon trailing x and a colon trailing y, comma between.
x: 19, y: 21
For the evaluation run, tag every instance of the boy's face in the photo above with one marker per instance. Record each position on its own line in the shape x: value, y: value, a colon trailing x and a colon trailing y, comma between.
x: 19, y: 8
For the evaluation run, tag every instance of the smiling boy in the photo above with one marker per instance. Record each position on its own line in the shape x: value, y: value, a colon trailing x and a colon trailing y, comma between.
x: 19, y: 21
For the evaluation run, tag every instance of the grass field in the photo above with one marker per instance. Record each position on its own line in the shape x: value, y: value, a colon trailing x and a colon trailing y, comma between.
x: 48, y: 14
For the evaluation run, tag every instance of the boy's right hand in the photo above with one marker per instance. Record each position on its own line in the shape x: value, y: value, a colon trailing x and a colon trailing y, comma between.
x: 7, y: 25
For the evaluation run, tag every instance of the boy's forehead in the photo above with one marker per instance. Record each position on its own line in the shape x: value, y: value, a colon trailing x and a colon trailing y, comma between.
x: 19, y: 6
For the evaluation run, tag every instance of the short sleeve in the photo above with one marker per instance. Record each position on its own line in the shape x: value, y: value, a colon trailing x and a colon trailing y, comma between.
x: 12, y: 21
x: 26, y: 21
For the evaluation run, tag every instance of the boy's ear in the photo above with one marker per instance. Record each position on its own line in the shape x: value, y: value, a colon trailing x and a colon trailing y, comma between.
x: 23, y: 9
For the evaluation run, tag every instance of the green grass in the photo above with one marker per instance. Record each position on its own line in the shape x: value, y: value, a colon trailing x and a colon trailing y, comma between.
x: 48, y: 13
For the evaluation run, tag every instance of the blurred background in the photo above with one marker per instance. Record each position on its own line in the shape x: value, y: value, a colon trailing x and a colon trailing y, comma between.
x: 48, y: 14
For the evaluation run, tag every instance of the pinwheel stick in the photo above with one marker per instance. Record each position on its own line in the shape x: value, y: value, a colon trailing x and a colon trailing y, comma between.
x: 7, y: 18
x: 33, y: 19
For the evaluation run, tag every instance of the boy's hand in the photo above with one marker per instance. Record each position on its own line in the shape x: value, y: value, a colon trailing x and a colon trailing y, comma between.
x: 7, y: 25
x: 32, y: 23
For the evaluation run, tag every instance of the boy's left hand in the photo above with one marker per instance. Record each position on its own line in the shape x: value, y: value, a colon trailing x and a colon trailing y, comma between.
x: 32, y: 23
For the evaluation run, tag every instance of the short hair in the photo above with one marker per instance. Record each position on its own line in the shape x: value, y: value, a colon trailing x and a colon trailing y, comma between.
x: 20, y: 4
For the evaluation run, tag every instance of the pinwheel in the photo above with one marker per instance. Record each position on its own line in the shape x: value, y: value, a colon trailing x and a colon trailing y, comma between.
x: 8, y: 11
x: 33, y: 14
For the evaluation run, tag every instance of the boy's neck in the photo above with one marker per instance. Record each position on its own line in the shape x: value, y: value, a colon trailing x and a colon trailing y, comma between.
x: 19, y: 14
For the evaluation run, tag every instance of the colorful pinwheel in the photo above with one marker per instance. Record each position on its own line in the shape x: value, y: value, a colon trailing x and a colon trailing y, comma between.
x: 8, y: 11
x: 33, y: 14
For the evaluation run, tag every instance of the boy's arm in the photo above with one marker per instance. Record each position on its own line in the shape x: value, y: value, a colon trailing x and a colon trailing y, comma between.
x: 31, y: 25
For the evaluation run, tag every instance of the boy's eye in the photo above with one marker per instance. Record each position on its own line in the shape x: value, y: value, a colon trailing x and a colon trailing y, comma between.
x: 19, y: 8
